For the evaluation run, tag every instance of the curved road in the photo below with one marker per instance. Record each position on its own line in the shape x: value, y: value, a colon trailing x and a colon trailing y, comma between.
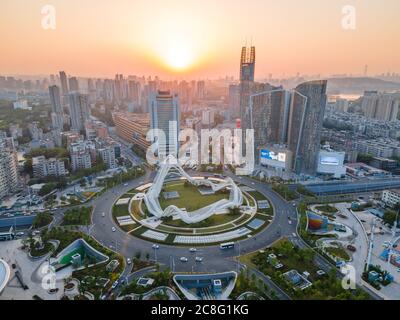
x: 214, y: 259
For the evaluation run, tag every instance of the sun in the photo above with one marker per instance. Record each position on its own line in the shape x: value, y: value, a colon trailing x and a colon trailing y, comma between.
x: 179, y: 57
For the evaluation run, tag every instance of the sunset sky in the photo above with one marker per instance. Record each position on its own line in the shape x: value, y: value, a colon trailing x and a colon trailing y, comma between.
x: 194, y: 38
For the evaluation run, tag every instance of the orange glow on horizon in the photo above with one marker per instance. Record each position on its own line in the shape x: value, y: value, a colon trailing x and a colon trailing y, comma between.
x: 198, y: 39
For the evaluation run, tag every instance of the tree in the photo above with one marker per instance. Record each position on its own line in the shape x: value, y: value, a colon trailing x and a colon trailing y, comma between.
x: 366, y: 158
x: 389, y: 217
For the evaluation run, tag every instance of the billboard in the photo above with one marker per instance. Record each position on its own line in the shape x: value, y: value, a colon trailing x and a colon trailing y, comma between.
x: 272, y: 155
x: 329, y: 160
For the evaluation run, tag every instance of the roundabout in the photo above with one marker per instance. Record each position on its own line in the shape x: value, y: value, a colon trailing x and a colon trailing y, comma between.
x: 178, y: 209
x: 127, y: 239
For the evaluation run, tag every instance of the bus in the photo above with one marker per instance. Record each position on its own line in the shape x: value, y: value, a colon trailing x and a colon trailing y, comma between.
x: 228, y: 245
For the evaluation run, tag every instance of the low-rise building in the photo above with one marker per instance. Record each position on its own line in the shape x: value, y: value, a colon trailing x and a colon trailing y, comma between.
x: 391, y: 197
x: 43, y: 167
x: 133, y: 128
x: 81, y: 160
x: 107, y: 154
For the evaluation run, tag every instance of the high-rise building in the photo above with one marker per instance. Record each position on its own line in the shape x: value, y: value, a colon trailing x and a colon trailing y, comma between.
x: 247, y: 64
x: 64, y: 83
x: 201, y: 90
x: 134, y: 95
x: 55, y: 99
x: 8, y: 167
x: 234, y: 100
x: 164, y: 115
x: 383, y: 106
x: 305, y: 125
x: 247, y: 71
x: 57, y: 114
x: 73, y: 84
x: 79, y: 110
x: 270, y: 115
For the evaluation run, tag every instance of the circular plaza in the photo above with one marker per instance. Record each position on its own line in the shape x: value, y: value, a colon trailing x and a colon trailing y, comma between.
x: 181, y: 210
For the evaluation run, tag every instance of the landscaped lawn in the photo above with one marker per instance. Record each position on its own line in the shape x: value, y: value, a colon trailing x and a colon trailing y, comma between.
x: 326, y: 287
x: 214, y: 220
x: 326, y: 208
x: 78, y: 216
x: 338, y: 252
x: 189, y: 197
x: 120, y: 210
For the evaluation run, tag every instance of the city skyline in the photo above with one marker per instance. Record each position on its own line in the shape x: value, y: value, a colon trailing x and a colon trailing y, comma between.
x: 98, y: 39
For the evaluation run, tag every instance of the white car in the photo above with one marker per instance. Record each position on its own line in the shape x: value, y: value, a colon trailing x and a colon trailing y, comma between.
x: 115, y: 284
x: 125, y: 184
x: 184, y: 259
x: 103, y: 214
x: 129, y: 261
x: 193, y: 250
x: 113, y: 229
x: 156, y: 246
x: 199, y: 259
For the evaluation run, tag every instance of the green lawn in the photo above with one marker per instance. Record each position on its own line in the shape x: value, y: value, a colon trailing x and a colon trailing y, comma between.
x: 326, y: 209
x: 338, y: 252
x: 189, y: 197
x: 327, y: 287
x: 121, y: 210
x: 78, y: 216
x: 214, y: 220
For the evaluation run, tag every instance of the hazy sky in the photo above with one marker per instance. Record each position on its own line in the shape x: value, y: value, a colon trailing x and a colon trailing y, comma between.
x: 198, y: 38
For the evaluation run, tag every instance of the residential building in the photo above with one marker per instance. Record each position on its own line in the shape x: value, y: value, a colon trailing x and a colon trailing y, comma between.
x: 391, y: 197
x: 79, y: 110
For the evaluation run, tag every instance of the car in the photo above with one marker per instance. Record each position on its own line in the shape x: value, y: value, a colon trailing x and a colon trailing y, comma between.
x: 103, y: 214
x: 129, y: 261
x: 184, y: 259
x: 193, y: 250
x: 290, y: 221
x: 199, y: 259
x: 113, y: 229
x: 114, y: 285
x: 126, y: 184
x: 20, y: 234
x: 156, y: 246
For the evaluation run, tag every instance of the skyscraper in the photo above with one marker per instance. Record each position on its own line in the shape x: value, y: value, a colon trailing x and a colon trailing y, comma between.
x: 201, y: 90
x: 164, y: 115
x: 8, y: 167
x: 73, y: 84
x: 247, y: 70
x: 79, y: 110
x: 64, y: 83
x: 305, y: 125
x: 55, y: 99
x: 247, y: 64
x: 234, y: 100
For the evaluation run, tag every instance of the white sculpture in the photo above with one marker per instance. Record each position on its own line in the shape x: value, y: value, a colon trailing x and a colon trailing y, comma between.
x: 152, y: 195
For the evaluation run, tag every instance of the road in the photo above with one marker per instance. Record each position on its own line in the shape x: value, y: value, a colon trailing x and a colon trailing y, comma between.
x: 214, y: 259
